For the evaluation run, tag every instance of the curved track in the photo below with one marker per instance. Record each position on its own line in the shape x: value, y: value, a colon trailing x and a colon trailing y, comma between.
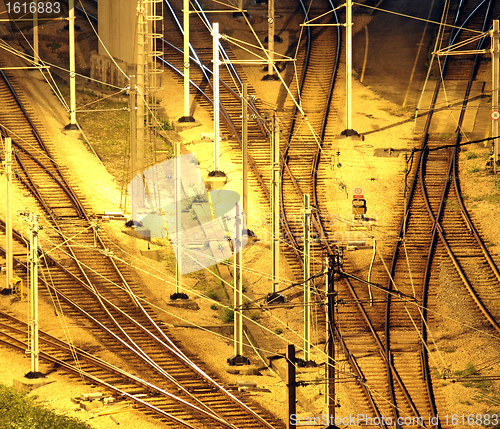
x: 385, y: 343
x: 95, y: 286
x: 435, y: 222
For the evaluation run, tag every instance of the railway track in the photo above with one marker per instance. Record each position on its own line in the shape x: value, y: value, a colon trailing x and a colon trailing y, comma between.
x: 117, y: 382
x: 385, y: 343
x: 300, y: 175
x: 435, y: 229
x: 96, y: 287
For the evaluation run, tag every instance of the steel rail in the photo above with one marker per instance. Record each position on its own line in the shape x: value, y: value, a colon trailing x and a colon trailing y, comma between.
x: 401, y: 233
x: 359, y: 376
x: 134, y: 299
x: 81, y: 354
x: 66, y: 188
x: 284, y: 157
x: 65, y: 347
x: 105, y: 303
x: 207, y: 72
x: 317, y: 158
x: 437, y: 230
x: 380, y: 345
x: 453, y: 173
x: 132, y: 346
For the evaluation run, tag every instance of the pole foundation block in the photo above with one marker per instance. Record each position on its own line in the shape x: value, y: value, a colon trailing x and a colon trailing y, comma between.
x: 185, y: 123
x: 352, y: 134
x: 29, y: 384
x: 238, y: 360
x: 270, y: 77
x: 71, y: 127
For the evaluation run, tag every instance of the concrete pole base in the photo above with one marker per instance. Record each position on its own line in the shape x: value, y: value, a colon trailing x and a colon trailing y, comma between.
x: 238, y: 360
x: 352, y: 134
x: 270, y: 77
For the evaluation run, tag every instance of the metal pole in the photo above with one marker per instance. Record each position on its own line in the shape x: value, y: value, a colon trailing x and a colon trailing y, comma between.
x: 178, y: 213
x: 330, y: 371
x: 238, y: 285
x: 35, y: 36
x: 216, y: 94
x: 275, y: 202
x: 270, y: 36
x: 291, y: 386
x: 8, y: 214
x: 133, y: 147
x: 187, y: 115
x: 495, y: 68
x: 307, y: 284
x: 349, y: 65
x: 141, y: 63
x: 244, y: 141
x: 72, y: 74
x: 34, y: 291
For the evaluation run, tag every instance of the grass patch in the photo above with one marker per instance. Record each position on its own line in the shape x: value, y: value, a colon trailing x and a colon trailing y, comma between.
x: 212, y: 294
x: 489, y: 198
x: 278, y: 331
x: 474, y: 378
x: 243, y: 288
x: 474, y: 169
x: 470, y: 155
x: 227, y: 315
x: 452, y: 205
x: 255, y: 316
x: 214, y: 307
x: 398, y: 111
x: 106, y: 124
x: 18, y: 410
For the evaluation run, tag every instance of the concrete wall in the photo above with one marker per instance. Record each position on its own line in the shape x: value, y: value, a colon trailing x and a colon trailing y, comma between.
x: 117, y: 30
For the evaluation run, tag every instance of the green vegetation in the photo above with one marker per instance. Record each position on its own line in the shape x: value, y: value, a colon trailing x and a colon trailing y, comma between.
x: 105, y: 120
x: 18, y: 410
x: 278, y: 331
x: 475, y: 379
x: 227, y: 315
x: 162, y: 124
x: 489, y: 198
x: 212, y: 294
x: 54, y: 46
x: 244, y: 287
x: 255, y: 316
x: 474, y: 169
x: 214, y: 307
x: 470, y: 155
x: 187, y: 203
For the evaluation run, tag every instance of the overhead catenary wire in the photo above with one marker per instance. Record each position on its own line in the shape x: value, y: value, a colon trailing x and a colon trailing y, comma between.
x: 191, y: 290
x: 441, y: 24
x: 195, y: 292
x: 298, y: 335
